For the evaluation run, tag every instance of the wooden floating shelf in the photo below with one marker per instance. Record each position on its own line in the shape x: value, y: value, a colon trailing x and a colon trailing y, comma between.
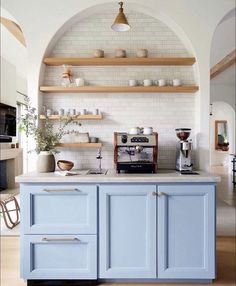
x: 120, y: 89
x: 79, y: 145
x: 78, y: 117
x: 157, y: 61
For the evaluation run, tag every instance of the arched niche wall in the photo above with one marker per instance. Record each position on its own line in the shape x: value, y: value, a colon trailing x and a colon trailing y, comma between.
x: 222, y: 87
x: 164, y: 112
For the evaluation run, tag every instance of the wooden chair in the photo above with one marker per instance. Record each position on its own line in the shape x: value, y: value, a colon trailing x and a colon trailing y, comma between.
x: 5, y: 199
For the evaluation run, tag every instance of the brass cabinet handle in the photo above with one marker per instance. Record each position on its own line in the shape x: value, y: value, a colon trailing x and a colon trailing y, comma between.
x: 61, y: 190
x: 154, y: 193
x: 57, y: 239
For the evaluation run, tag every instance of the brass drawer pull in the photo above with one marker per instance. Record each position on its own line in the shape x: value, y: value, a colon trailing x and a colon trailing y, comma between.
x: 58, y: 239
x: 61, y: 190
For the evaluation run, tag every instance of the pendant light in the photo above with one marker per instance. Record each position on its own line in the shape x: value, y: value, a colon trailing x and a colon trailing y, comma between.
x: 120, y: 24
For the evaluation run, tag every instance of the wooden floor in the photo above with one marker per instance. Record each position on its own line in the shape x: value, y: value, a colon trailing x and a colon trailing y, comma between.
x: 226, y: 263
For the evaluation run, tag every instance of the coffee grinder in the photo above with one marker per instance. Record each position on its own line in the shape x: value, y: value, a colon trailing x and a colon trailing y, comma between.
x: 184, y: 147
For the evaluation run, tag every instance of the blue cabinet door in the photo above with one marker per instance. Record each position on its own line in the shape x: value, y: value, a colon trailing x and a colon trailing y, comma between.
x: 59, y: 257
x: 59, y: 209
x: 186, y: 231
x: 127, y: 231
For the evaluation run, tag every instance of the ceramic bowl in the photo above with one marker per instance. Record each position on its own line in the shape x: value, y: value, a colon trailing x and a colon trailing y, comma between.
x: 64, y: 165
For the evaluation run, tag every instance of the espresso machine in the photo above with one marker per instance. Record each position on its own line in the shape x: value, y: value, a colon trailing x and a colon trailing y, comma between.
x: 184, y: 147
x: 135, y: 153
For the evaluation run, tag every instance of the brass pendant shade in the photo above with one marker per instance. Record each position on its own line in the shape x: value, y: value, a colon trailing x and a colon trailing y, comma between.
x: 121, y: 24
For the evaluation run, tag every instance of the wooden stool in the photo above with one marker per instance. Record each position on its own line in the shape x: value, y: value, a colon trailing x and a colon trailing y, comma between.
x: 6, y: 212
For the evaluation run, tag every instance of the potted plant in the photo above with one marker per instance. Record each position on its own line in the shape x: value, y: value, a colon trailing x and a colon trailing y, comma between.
x: 45, y: 136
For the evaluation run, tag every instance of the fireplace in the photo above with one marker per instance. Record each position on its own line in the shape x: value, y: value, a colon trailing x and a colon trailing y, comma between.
x: 3, y: 175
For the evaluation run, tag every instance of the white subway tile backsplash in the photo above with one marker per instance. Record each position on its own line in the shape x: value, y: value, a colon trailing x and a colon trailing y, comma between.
x: 164, y: 112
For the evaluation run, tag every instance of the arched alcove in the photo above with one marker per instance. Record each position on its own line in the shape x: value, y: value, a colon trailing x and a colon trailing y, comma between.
x: 222, y: 87
x: 164, y: 112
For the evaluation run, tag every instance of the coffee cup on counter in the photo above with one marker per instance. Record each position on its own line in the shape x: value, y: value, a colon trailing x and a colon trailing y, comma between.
x: 147, y: 82
x: 176, y: 82
x: 161, y: 82
x: 133, y: 82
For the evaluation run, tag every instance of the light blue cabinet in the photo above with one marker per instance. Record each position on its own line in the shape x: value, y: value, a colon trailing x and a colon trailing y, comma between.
x: 59, y: 257
x: 146, y: 231
x: 186, y: 231
x: 127, y: 231
x: 58, y: 231
x: 59, y: 209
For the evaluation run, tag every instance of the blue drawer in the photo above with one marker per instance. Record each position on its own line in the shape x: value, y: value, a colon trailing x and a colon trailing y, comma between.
x: 59, y: 257
x: 59, y: 209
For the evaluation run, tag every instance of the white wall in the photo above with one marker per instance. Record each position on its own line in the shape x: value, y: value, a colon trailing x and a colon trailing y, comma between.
x: 8, y: 83
x: 190, y: 19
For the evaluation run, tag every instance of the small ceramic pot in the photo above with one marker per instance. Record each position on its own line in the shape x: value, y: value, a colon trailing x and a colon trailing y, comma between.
x: 161, y: 82
x: 147, y: 82
x: 120, y: 53
x: 176, y: 82
x: 142, y: 53
x: 133, y: 82
x: 93, y: 139
x: 79, y: 81
x: 98, y: 53
x: 45, y: 162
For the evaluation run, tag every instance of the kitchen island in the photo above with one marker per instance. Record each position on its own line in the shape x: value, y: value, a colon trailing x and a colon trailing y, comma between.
x: 118, y: 227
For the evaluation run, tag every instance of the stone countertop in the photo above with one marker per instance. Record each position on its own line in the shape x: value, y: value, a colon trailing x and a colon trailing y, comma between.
x: 162, y: 176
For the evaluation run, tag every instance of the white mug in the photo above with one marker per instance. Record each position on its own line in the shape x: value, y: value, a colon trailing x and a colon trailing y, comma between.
x: 79, y: 81
x: 147, y: 130
x: 161, y: 82
x: 147, y: 82
x: 83, y: 112
x: 96, y: 111
x: 176, y: 82
x: 135, y: 131
x: 133, y: 82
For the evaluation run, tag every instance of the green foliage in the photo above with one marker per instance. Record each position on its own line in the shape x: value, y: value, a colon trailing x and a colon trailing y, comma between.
x: 46, y: 138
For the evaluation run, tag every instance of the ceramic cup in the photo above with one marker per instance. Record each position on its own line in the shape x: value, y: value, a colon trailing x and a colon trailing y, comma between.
x: 120, y: 53
x: 98, y: 53
x: 49, y: 112
x: 147, y: 82
x: 135, y: 130
x: 61, y: 112
x: 142, y: 53
x: 176, y: 82
x: 161, y: 82
x: 147, y: 130
x: 133, y: 82
x: 93, y: 139
x: 83, y: 112
x: 95, y: 111
x: 79, y: 81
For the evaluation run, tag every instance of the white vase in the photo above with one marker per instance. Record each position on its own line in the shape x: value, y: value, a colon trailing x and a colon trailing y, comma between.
x: 45, y: 162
